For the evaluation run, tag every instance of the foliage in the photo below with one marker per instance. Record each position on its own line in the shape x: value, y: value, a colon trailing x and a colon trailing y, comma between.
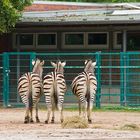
x: 99, y: 1
x: 10, y: 12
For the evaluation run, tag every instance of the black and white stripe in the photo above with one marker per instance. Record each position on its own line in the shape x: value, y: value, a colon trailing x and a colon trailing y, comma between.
x: 54, y: 86
x: 84, y: 87
x: 30, y: 89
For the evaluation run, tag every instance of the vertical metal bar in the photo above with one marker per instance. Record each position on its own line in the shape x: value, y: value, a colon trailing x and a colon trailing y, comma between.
x: 18, y: 63
x: 110, y: 75
x: 122, y: 79
x: 124, y: 65
x: 123, y: 95
x: 124, y: 41
x: 125, y: 79
x: 5, y: 79
x: 98, y: 94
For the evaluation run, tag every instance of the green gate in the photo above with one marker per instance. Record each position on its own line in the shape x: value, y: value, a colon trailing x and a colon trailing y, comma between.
x: 117, y: 75
x: 1, y: 78
x: 130, y: 73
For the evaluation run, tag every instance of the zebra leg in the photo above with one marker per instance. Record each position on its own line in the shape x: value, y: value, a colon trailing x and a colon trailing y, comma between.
x: 53, y: 108
x: 89, y: 110
x: 31, y: 115
x: 79, y: 108
x: 48, y: 115
x: 60, y: 108
x: 26, y: 116
x: 84, y: 108
x: 62, y: 117
x: 37, y: 118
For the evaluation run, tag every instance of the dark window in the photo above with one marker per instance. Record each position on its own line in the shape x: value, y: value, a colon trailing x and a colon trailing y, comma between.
x: 133, y: 41
x: 97, y: 38
x: 119, y: 39
x: 47, y: 39
x: 74, y: 39
x: 25, y: 39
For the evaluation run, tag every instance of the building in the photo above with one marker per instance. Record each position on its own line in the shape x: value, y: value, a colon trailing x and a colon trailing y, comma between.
x: 67, y: 26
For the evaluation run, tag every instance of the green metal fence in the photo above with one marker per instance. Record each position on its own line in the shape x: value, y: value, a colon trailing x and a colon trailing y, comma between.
x: 1, y: 78
x: 118, y: 75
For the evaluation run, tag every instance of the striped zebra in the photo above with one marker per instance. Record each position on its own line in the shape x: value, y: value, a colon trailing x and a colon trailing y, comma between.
x: 30, y: 89
x: 84, y: 87
x: 54, y: 86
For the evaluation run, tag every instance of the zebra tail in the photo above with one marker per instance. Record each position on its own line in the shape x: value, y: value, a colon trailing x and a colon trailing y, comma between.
x: 88, y: 93
x: 88, y: 98
x: 55, y: 96
x: 30, y: 99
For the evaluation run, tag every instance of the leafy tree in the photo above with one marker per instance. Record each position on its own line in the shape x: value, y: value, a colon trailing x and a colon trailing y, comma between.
x: 10, y: 12
x: 101, y: 1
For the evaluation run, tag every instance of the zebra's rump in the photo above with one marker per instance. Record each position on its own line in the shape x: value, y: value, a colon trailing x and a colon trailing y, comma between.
x: 54, y: 82
x: 29, y: 82
x: 83, y: 82
x: 54, y: 88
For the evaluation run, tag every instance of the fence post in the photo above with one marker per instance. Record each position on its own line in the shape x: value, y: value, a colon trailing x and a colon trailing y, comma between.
x: 32, y: 57
x: 123, y: 91
x: 98, y: 94
x: 122, y: 78
x: 6, y: 79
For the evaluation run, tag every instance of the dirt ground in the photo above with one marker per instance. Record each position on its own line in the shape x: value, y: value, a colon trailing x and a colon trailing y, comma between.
x: 105, y: 125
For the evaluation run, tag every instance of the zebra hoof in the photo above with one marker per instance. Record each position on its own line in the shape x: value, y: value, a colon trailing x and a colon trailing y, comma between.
x: 31, y: 121
x: 52, y: 121
x: 89, y: 121
x: 26, y: 121
x: 46, y: 122
x: 37, y: 120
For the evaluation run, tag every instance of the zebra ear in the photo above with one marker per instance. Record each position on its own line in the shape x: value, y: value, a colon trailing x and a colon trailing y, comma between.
x: 42, y: 63
x: 85, y: 61
x: 33, y: 62
x: 94, y: 64
x: 63, y: 63
x: 53, y: 64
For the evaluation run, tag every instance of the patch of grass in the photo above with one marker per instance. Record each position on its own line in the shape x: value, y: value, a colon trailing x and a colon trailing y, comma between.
x: 74, y: 107
x: 74, y: 122
x: 130, y: 127
x: 120, y: 108
x: 108, y: 108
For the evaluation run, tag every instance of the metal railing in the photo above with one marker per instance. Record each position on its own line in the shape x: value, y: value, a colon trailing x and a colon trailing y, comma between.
x: 118, y: 75
x: 1, y: 78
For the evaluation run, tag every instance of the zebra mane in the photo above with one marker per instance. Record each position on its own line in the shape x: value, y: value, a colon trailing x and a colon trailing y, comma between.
x: 59, y: 66
x: 38, y: 67
x: 89, y: 68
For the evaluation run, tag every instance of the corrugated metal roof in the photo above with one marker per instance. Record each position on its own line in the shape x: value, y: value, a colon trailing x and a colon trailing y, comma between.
x: 80, y: 15
x: 104, y: 15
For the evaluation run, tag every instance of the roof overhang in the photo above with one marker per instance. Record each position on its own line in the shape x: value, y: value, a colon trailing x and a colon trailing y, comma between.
x: 81, y: 17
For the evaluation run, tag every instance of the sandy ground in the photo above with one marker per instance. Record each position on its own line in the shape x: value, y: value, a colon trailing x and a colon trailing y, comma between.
x: 105, y: 125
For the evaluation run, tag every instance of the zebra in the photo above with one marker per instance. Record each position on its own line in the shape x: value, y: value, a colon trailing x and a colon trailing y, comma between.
x: 54, y: 86
x: 30, y: 89
x: 84, y: 87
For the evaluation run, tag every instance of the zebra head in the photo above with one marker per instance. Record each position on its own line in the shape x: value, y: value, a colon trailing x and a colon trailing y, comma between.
x: 89, y: 66
x: 38, y: 66
x: 59, y: 66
